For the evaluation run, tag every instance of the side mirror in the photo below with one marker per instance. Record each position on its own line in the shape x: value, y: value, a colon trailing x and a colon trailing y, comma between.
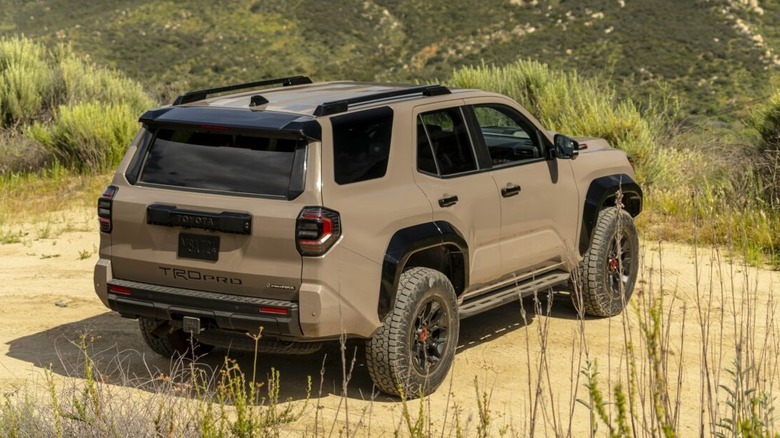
x: 566, y: 147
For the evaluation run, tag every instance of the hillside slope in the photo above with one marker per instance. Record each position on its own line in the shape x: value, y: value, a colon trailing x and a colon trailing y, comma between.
x: 718, y: 54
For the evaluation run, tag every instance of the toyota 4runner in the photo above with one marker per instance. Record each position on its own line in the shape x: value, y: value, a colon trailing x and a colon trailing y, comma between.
x: 312, y: 211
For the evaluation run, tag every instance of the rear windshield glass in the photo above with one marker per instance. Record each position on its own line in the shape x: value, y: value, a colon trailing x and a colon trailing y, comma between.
x: 225, y: 162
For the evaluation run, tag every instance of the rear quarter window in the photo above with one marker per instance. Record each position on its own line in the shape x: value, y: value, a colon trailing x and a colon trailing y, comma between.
x: 224, y: 162
x: 361, y: 145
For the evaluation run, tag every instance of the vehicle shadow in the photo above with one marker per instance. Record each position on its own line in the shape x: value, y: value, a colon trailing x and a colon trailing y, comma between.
x: 119, y: 356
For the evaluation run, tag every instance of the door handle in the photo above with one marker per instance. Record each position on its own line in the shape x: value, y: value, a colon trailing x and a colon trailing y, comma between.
x: 510, y: 190
x: 448, y: 201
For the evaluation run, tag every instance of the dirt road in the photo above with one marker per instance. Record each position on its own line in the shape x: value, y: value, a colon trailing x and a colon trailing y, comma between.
x: 526, y: 364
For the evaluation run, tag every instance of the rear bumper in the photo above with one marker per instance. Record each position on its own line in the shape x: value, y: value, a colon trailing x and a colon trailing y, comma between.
x: 225, y: 312
x: 331, y: 302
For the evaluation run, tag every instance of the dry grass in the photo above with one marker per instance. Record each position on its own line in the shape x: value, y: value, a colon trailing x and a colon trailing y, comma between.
x: 32, y: 197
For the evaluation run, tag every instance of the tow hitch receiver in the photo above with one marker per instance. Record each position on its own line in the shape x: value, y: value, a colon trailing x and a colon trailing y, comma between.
x: 191, y: 325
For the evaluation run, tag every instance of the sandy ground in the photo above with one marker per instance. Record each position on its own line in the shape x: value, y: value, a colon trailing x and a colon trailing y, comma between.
x: 526, y: 363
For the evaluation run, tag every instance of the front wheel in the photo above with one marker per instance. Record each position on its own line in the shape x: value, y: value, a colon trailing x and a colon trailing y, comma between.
x: 411, y: 354
x: 609, y: 269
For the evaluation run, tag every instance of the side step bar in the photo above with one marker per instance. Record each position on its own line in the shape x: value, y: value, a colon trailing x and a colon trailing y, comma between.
x: 514, y: 291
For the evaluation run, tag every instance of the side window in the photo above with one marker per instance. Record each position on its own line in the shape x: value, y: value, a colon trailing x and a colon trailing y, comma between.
x: 443, y: 145
x: 361, y: 145
x: 509, y: 137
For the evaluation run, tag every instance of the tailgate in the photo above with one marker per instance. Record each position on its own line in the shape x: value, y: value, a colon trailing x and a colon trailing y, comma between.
x: 212, y: 211
x: 176, y: 239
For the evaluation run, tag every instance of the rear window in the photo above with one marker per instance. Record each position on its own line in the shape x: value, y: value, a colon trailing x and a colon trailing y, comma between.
x: 225, y: 162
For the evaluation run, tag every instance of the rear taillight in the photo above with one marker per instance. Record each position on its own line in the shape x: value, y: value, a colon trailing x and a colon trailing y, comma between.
x: 317, y: 230
x: 104, y: 205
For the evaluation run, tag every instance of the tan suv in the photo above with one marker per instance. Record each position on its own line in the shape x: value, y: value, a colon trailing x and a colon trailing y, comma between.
x: 380, y: 212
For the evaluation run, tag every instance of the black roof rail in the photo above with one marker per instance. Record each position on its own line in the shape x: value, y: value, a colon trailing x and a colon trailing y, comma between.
x: 194, y: 96
x: 340, y: 106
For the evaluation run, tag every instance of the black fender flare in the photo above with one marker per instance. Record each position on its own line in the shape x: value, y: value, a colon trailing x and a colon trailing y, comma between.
x: 599, y: 192
x: 404, y: 244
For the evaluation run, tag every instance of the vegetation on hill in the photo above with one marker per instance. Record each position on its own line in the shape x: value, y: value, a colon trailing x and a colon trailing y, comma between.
x: 57, y: 108
x: 711, y: 53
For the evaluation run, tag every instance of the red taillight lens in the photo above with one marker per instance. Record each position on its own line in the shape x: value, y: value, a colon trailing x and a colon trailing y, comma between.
x: 275, y: 310
x: 104, y: 206
x: 631, y: 161
x: 119, y: 290
x: 317, y: 230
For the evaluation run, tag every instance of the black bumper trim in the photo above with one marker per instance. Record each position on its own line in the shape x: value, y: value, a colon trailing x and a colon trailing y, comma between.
x: 222, y: 311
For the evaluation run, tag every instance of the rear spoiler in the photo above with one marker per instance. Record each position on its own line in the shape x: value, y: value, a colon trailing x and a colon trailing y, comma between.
x: 222, y: 119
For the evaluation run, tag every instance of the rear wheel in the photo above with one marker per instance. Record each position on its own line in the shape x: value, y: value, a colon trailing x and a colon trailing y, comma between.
x: 411, y: 354
x: 609, y: 269
x: 167, y: 340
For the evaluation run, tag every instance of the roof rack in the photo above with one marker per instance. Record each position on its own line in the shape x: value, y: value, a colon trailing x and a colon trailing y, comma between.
x: 340, y: 106
x: 194, y: 96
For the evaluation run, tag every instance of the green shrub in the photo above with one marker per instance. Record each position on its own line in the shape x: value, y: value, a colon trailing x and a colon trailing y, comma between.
x: 766, y: 121
x: 26, y: 80
x: 87, y: 83
x: 765, y: 159
x: 52, y: 103
x: 88, y: 136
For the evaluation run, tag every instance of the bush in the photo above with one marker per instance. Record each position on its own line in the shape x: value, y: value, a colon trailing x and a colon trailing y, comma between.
x: 84, y: 115
x: 86, y: 83
x: 766, y: 121
x: 20, y: 153
x: 26, y: 80
x: 88, y: 136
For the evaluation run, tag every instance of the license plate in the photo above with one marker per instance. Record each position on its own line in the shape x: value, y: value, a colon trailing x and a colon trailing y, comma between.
x: 198, y: 246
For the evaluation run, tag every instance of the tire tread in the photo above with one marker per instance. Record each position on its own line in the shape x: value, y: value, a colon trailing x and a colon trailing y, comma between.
x: 596, y: 300
x: 385, y: 353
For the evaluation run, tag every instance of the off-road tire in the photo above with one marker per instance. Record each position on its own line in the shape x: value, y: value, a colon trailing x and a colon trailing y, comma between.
x: 609, y: 269
x: 411, y: 354
x: 167, y: 340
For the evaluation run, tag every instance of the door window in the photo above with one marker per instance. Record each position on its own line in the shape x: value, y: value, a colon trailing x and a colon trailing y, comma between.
x: 509, y: 137
x: 443, y: 145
